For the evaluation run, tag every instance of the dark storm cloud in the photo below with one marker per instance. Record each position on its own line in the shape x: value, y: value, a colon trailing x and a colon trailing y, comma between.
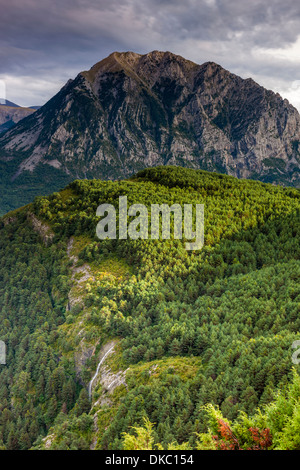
x: 46, y: 42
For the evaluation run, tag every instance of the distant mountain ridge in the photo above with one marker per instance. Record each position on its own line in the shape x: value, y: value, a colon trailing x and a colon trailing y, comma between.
x: 132, y: 111
x: 4, y: 102
x: 11, y: 113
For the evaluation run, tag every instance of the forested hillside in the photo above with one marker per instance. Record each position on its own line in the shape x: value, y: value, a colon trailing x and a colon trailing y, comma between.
x: 196, y: 337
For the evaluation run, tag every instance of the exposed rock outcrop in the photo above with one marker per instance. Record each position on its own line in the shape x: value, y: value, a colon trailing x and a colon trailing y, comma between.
x: 133, y: 111
x: 42, y: 229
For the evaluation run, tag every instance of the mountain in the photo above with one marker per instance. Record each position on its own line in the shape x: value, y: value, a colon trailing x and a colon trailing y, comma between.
x: 130, y: 111
x: 11, y: 113
x: 151, y: 330
x: 5, y: 102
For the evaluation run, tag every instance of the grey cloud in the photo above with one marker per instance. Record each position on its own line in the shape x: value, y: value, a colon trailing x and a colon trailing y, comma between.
x: 59, y: 38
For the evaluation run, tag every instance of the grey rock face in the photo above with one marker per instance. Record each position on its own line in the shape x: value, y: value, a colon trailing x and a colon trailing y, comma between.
x: 132, y: 111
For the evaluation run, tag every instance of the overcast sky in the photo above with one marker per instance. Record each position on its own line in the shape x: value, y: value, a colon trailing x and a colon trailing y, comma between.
x: 43, y: 43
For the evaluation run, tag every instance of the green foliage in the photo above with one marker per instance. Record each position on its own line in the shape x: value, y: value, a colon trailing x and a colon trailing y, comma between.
x: 34, y: 385
x: 277, y: 426
x: 207, y: 327
x: 143, y: 440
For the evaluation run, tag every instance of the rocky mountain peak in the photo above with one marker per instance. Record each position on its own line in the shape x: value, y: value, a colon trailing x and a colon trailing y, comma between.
x: 132, y: 111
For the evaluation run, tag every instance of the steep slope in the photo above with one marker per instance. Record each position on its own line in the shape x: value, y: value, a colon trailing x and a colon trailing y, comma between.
x: 130, y: 111
x: 184, y: 329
